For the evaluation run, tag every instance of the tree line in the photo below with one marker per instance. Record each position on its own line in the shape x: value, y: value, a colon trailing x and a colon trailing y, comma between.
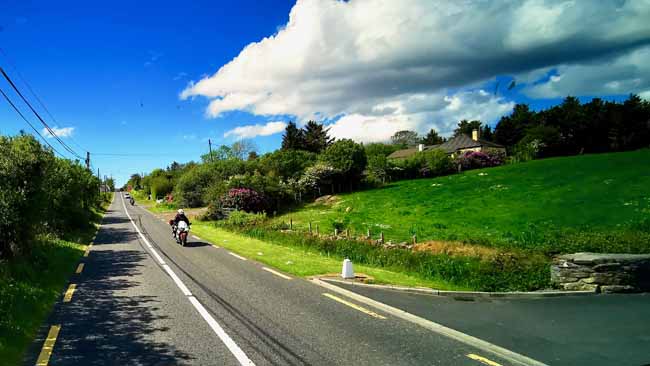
x: 40, y: 194
x: 310, y: 163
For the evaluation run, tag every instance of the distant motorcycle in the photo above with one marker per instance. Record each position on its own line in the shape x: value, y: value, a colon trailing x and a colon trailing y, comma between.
x: 132, y: 201
x: 180, y: 232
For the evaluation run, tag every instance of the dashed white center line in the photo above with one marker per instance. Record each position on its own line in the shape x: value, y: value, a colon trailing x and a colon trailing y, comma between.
x: 216, y: 328
x: 237, y: 256
x: 277, y: 273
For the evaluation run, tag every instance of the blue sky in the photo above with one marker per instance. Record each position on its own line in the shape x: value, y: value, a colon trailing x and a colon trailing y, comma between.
x: 114, y: 71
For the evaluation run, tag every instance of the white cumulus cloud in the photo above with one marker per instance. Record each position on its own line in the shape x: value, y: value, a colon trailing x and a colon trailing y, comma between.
x: 61, y: 132
x: 375, y: 66
x: 250, y: 131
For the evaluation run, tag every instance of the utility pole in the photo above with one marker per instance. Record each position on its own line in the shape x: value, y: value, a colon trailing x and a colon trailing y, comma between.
x: 88, y: 160
x: 210, y: 145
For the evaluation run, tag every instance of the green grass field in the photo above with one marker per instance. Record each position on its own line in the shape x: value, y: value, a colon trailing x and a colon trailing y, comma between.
x: 30, y: 285
x: 592, y: 202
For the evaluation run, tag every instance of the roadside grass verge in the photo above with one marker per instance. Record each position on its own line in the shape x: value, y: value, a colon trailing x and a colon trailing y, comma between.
x: 304, y: 261
x: 304, y: 255
x: 31, y: 284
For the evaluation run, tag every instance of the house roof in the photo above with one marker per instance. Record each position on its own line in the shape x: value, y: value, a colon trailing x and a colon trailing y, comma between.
x: 463, y: 141
x: 405, y: 153
x: 450, y: 146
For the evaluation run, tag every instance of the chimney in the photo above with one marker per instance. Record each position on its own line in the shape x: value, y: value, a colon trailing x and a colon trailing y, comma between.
x: 475, y: 134
x: 421, y: 147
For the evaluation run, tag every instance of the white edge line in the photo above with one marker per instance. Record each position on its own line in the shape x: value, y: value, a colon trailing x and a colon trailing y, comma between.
x: 276, y: 273
x: 501, y: 352
x: 237, y: 256
x: 177, y: 280
x: 196, y: 237
x: 232, y: 346
x: 216, y: 328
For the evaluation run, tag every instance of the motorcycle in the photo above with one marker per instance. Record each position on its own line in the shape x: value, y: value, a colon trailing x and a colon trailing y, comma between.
x: 180, y: 232
x: 131, y: 201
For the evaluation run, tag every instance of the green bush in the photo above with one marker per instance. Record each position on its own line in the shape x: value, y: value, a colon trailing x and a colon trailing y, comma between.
x: 40, y: 193
x: 241, y: 219
x: 160, y: 187
x: 192, y: 186
x: 437, y: 162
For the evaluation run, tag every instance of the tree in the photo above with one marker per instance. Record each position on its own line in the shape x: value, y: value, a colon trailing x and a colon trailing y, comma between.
x: 432, y: 138
x: 485, y: 133
x: 318, y: 175
x: 377, y: 169
x: 110, y: 183
x: 405, y: 138
x: 315, y: 137
x: 135, y: 181
x: 293, y: 138
x: 466, y: 127
x: 348, y: 157
x: 286, y: 163
x: 252, y: 156
x: 377, y: 148
x: 223, y: 152
x: 241, y: 149
x: 510, y: 129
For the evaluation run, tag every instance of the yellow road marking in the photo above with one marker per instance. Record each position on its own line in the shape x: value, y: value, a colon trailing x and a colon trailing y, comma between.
x: 80, y: 268
x: 354, y: 306
x: 48, y: 346
x: 68, y: 294
x: 483, y: 360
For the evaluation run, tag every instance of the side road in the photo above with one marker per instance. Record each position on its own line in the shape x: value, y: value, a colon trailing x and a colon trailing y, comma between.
x: 143, y: 299
x: 570, y: 330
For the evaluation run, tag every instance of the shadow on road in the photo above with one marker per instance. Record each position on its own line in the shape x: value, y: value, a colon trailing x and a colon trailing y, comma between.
x: 196, y: 244
x: 108, y: 321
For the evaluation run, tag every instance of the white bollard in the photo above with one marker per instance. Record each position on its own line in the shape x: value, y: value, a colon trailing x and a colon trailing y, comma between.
x: 347, y: 271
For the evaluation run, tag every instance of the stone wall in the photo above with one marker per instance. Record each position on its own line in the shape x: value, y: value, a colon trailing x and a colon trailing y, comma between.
x: 602, y: 272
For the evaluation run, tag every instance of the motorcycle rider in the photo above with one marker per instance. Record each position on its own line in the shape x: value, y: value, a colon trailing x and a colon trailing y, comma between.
x: 180, y: 216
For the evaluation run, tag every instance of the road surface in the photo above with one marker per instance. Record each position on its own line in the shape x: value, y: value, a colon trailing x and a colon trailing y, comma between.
x: 141, y: 299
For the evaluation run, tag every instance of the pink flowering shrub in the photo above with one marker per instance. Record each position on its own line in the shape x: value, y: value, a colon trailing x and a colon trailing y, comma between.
x: 244, y: 199
x: 479, y: 159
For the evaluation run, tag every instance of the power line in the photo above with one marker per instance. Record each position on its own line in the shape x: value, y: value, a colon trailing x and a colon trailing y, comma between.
x: 49, y: 129
x: 134, y: 154
x: 29, y: 123
x: 29, y: 87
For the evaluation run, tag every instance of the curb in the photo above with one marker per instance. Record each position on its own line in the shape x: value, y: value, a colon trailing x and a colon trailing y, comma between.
x: 466, y: 294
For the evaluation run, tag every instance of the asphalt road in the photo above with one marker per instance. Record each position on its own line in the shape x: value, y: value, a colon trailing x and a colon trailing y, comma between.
x: 573, y: 330
x: 149, y: 301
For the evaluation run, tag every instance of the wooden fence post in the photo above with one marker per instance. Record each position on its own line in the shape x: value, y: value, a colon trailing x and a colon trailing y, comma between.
x: 368, y: 234
x: 415, y: 239
x: 336, y: 232
x: 309, y: 227
x: 291, y: 224
x: 317, y: 231
x: 347, y: 233
x: 381, y: 237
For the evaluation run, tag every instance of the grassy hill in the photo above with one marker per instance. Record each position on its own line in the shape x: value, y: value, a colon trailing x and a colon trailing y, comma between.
x: 580, y: 203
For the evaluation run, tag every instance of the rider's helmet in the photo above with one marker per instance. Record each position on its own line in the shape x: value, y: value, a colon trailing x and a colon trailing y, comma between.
x: 181, y: 212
